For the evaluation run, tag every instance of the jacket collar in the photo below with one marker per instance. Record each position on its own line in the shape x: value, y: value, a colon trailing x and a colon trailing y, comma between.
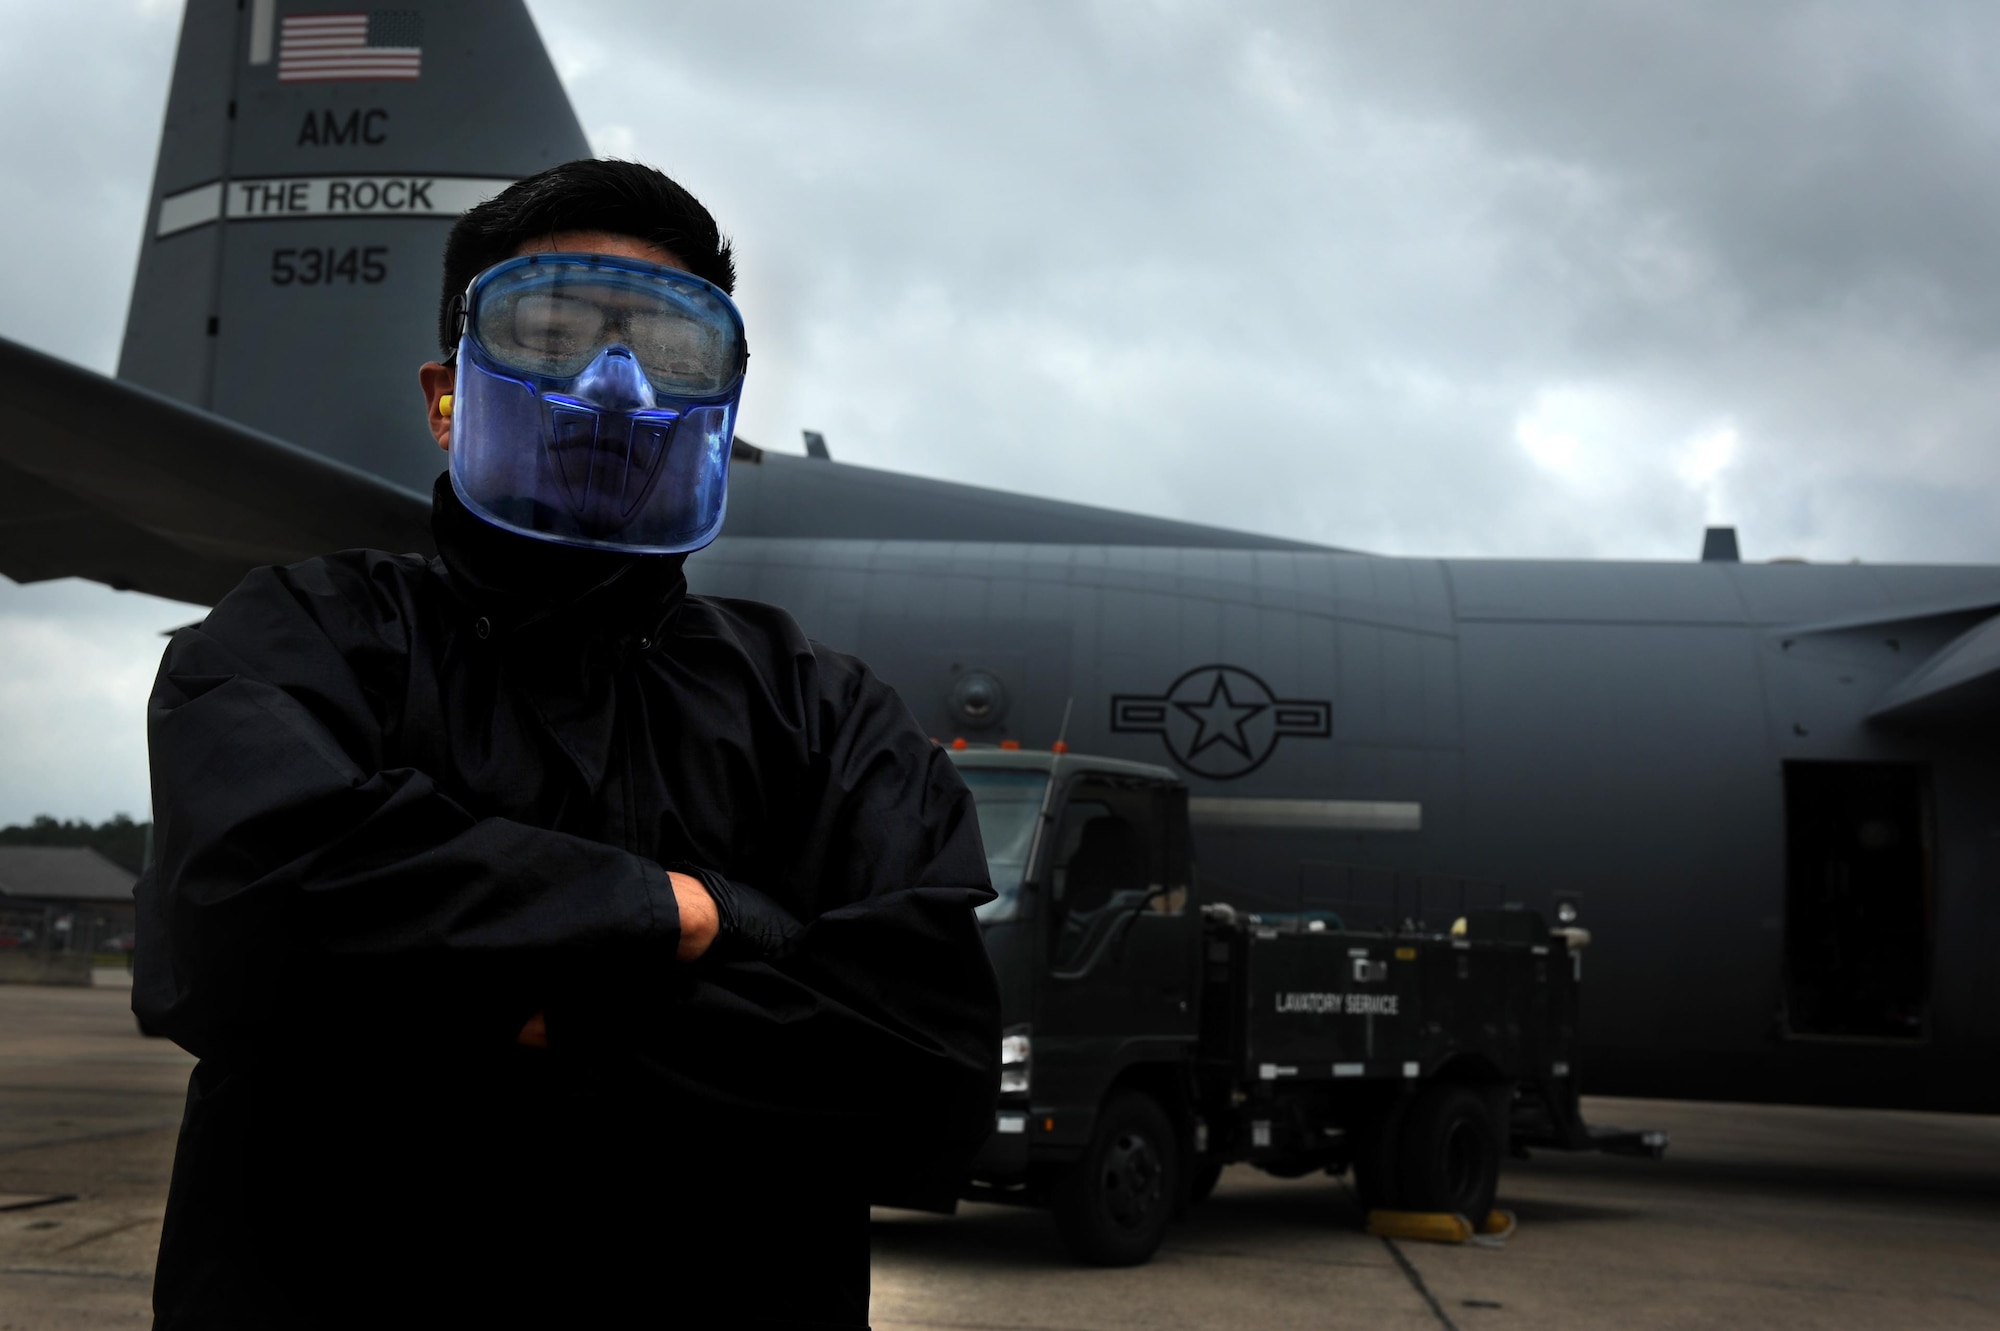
x: 513, y: 582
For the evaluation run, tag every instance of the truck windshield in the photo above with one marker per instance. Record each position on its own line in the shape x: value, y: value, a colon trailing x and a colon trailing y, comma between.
x: 1009, y: 804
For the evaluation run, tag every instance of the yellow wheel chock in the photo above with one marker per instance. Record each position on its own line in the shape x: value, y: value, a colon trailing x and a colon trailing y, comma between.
x: 1438, y: 1226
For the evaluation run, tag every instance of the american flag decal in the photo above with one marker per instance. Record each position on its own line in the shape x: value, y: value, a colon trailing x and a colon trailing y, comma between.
x: 324, y: 48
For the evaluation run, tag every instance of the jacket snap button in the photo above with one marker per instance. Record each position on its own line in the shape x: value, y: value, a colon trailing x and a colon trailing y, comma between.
x: 482, y: 627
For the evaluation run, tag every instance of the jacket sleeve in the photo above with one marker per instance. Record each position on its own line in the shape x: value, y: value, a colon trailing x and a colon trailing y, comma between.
x: 303, y: 891
x: 880, y: 1006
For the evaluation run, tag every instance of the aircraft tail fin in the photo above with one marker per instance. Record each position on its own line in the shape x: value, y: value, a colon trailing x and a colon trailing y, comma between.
x: 310, y: 168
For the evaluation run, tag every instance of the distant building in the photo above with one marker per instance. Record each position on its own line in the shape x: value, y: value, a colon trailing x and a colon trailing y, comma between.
x: 64, y: 899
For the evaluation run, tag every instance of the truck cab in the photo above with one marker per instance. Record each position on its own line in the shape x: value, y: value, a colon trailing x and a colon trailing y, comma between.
x: 1095, y: 936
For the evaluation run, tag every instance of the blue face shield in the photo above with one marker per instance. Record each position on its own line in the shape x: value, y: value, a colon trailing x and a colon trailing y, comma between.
x: 596, y: 401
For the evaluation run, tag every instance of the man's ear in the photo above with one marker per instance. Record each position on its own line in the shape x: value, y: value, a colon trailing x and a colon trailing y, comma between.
x: 439, y: 380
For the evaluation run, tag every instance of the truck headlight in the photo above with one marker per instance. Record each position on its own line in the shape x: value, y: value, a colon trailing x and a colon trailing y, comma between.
x: 1016, y: 1051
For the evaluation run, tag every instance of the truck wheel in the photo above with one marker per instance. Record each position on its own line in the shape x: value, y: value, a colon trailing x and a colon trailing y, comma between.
x: 1113, y: 1206
x: 1450, y: 1153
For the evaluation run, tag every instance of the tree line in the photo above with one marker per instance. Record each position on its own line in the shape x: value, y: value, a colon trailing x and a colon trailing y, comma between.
x: 121, y: 840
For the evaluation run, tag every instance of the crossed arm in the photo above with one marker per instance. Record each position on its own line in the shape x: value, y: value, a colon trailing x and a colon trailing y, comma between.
x: 304, y: 885
x: 699, y: 922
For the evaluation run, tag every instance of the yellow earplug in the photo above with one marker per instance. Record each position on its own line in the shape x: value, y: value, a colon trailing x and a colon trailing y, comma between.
x: 444, y: 405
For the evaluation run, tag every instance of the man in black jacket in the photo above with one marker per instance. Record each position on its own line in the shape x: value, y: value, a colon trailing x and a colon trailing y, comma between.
x: 559, y: 947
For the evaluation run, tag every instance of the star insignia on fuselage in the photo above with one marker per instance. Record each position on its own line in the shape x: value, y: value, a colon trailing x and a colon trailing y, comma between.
x: 1221, y: 718
x: 1220, y: 721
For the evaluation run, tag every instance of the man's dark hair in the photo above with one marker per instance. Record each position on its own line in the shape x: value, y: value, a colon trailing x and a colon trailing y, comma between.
x: 590, y: 194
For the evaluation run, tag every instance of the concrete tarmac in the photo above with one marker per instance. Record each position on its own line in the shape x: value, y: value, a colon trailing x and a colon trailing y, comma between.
x: 1759, y: 1217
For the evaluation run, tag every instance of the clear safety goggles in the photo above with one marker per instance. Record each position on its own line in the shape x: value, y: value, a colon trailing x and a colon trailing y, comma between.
x: 596, y: 401
x: 549, y: 315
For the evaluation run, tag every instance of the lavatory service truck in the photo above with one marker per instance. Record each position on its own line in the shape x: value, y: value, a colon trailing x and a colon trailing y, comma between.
x: 1155, y: 1033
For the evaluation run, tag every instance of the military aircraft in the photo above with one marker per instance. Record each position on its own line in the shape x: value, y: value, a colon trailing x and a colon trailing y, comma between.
x: 1768, y: 789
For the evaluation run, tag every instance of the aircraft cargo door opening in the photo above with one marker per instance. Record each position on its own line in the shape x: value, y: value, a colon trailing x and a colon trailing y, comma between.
x: 1858, y: 911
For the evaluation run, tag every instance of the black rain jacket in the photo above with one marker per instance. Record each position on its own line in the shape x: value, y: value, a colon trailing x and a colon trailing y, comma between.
x: 404, y: 805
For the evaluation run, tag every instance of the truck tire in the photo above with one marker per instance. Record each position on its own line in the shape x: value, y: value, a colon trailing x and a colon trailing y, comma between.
x: 1450, y: 1152
x: 1114, y: 1205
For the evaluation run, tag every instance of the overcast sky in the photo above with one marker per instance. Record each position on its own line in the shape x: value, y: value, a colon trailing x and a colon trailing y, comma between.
x: 1432, y: 279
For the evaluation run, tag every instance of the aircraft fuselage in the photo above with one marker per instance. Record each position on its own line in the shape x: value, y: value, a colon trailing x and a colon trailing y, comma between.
x: 1789, y: 902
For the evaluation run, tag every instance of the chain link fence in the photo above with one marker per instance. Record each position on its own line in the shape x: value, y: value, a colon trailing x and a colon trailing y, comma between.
x: 60, y: 944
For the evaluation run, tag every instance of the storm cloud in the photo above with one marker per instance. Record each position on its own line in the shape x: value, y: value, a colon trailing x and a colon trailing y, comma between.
x: 1453, y: 279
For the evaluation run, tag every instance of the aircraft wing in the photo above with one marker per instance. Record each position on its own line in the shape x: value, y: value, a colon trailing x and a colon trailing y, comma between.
x: 105, y: 480
x: 1959, y: 684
